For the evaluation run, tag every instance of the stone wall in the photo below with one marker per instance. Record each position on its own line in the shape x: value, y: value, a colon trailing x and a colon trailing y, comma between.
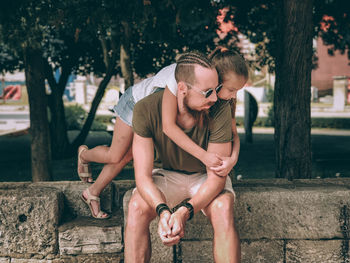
x: 47, y: 222
x: 278, y: 221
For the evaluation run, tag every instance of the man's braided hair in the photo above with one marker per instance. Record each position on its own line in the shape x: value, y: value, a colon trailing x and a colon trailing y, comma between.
x: 185, y: 72
x: 185, y: 66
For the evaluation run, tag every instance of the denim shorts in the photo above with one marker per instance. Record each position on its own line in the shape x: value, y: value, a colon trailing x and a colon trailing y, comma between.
x: 125, y: 107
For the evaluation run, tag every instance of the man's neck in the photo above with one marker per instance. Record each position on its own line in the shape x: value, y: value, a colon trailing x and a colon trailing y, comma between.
x: 184, y: 119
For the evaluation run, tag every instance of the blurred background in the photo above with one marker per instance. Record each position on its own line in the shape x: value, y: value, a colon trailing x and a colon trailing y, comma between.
x: 64, y: 65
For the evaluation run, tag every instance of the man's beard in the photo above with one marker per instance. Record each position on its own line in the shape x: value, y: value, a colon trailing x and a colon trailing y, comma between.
x: 201, y: 117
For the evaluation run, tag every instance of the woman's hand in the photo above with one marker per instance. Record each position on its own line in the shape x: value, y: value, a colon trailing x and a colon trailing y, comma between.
x: 211, y: 160
x: 227, y: 164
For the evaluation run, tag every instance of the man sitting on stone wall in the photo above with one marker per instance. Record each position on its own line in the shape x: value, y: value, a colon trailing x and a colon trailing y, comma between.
x: 183, y: 176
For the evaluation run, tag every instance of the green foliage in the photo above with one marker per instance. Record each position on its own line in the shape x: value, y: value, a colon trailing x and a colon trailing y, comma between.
x: 334, y: 123
x: 269, y: 93
x: 9, y: 61
x: 23, y: 23
x: 170, y: 28
x: 75, y: 32
x: 258, y: 20
x: 75, y: 116
x: 98, y: 126
x: 86, y: 36
x: 106, y: 119
x: 270, y: 121
x: 332, y: 19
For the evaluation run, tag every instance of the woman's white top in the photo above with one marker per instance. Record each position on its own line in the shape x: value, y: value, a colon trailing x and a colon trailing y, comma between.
x: 164, y: 78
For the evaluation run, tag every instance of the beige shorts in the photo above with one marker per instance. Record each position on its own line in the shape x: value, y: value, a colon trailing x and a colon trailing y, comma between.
x: 177, y: 186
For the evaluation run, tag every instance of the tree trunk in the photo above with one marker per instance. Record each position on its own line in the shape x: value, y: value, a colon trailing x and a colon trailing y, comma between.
x: 292, y: 90
x: 125, y: 59
x: 39, y: 126
x: 94, y: 105
x: 58, y: 127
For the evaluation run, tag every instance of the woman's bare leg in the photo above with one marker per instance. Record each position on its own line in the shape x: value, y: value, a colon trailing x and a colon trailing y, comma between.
x: 115, y: 157
x: 121, y: 142
x: 108, y: 173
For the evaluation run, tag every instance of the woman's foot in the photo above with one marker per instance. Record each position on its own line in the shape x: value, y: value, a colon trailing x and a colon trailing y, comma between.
x: 94, y: 204
x: 84, y: 171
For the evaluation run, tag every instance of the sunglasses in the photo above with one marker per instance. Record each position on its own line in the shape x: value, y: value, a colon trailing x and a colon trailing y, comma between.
x: 207, y: 93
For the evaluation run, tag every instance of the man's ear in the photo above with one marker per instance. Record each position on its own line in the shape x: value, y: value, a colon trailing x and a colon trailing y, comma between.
x: 182, y: 88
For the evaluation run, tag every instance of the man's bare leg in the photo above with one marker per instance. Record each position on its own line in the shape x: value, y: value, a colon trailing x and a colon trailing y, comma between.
x: 226, y: 243
x: 137, y: 235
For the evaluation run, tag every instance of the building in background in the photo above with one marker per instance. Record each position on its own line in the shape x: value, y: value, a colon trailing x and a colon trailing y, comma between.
x: 328, y: 67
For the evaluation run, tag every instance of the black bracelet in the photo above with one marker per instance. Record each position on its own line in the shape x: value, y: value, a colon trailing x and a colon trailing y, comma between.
x: 190, y: 209
x: 161, y: 207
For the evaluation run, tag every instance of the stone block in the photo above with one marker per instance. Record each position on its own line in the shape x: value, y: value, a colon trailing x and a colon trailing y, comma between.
x: 279, y: 182
x: 160, y: 252
x: 26, y: 260
x: 4, y: 260
x: 292, y: 212
x: 252, y: 251
x: 262, y: 251
x: 11, y: 185
x: 326, y: 182
x: 266, y: 214
x: 196, y: 251
x: 102, y: 258
x: 91, y: 236
x: 122, y: 186
x: 72, y: 191
x: 199, y: 228
x: 29, y: 219
x: 317, y: 251
x: 284, y: 183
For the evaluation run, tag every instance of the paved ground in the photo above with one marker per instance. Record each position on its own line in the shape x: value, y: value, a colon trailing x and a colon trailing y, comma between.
x: 331, y: 155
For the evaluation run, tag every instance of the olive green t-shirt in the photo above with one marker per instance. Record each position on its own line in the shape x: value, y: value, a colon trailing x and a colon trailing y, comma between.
x: 147, y: 122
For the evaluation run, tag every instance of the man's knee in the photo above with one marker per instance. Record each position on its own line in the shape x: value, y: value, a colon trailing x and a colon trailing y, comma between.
x: 138, y: 210
x: 223, y: 202
x: 221, y: 209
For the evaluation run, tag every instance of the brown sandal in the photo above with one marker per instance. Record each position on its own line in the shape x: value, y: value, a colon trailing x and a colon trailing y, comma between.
x: 86, y: 171
x: 87, y: 201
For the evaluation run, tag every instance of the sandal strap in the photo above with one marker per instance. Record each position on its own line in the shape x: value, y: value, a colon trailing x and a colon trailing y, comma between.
x: 85, y: 175
x: 83, y: 167
x: 92, y: 197
x: 81, y: 151
x: 86, y: 167
x: 100, y: 214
